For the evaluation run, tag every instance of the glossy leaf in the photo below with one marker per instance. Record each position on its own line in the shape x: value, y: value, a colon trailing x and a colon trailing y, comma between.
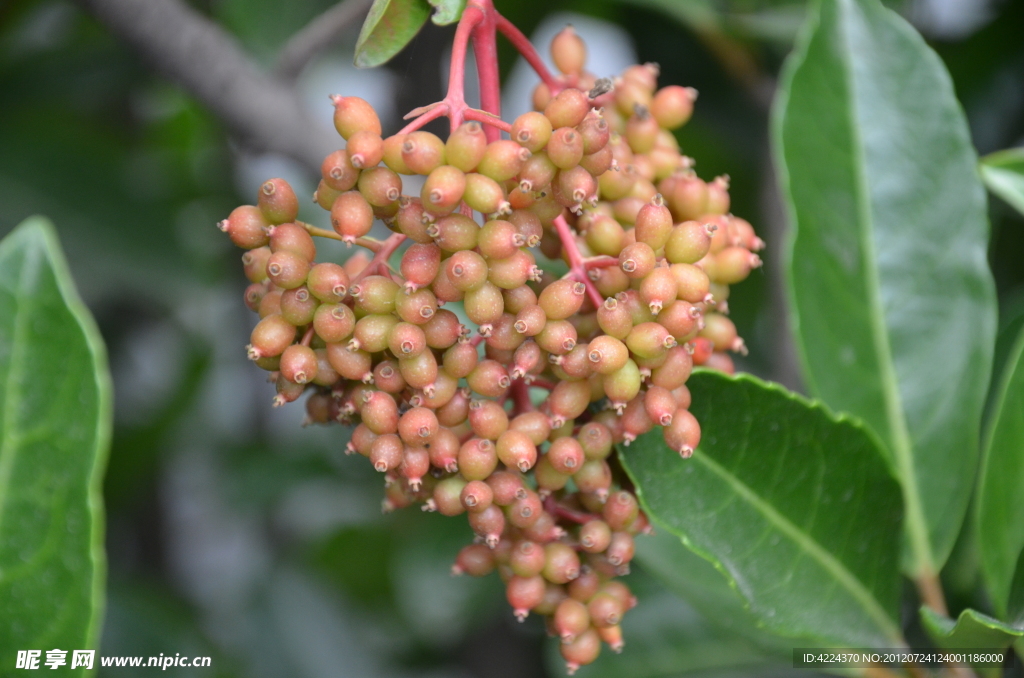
x: 972, y: 629
x: 1000, y: 498
x: 888, y: 275
x: 388, y: 28
x: 447, y: 11
x: 796, y: 506
x: 1003, y: 173
x: 55, y: 419
x: 664, y: 556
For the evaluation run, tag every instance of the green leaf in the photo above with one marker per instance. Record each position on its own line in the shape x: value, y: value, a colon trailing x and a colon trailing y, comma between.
x: 664, y: 556
x: 447, y: 11
x: 1015, y: 607
x: 1000, y: 497
x: 1003, y: 173
x: 388, y: 28
x: 894, y: 303
x: 55, y: 421
x: 797, y: 507
x: 971, y: 630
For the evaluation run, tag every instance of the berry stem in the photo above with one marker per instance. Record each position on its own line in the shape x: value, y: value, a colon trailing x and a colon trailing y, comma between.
x: 387, y: 248
x: 308, y: 336
x: 525, y: 48
x: 485, y: 48
x: 521, y: 397
x: 432, y: 113
x: 487, y: 119
x: 319, y: 232
x: 559, y: 511
x: 601, y: 261
x: 577, y: 267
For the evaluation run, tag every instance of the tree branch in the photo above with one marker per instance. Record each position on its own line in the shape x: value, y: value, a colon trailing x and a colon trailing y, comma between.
x: 317, y: 36
x: 261, y: 111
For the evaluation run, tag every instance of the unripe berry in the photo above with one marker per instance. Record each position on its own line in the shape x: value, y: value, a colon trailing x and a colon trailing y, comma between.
x: 246, y: 226
x: 595, y: 132
x: 692, y: 283
x: 466, y: 270
x: 328, y: 282
x: 455, y: 233
x: 443, y: 190
x: 379, y: 412
x: 420, y: 264
x: 672, y: 106
x: 638, y: 310
x: 605, y: 236
x: 485, y: 195
x: 620, y: 550
x: 531, y: 130
x: 387, y: 378
x: 689, y: 197
x: 721, y: 362
x: 674, y: 372
x: 547, y: 478
x: 255, y: 264
x: 537, y: 172
x: 277, y: 201
x: 489, y: 378
x: 565, y: 148
x: 416, y: 307
x: 443, y: 330
x: 574, y: 365
x: 649, y: 340
x: 568, y: 51
x: 614, y: 319
x: 567, y: 109
x: 527, y: 559
x: 507, y: 487
x: 641, y: 130
x: 718, y: 196
x: 393, y: 154
x: 658, y: 289
x: 544, y: 529
x: 365, y: 149
x: 411, y: 218
x: 380, y: 187
x: 682, y: 320
x: 292, y: 238
x: 298, y: 306
x: 721, y: 331
x: 356, y: 365
x: 386, y: 452
x: 298, y: 364
x: 489, y: 524
x: 287, y: 391
x: 352, y: 114
x: 422, y: 152
x: 620, y: 511
x: 733, y: 265
x: 558, y: 337
x: 498, y: 239
x: 571, y: 619
x: 581, y: 651
x: 569, y: 399
x: 503, y: 159
x: 465, y: 146
x: 372, y: 331
x: 271, y: 336
x: 572, y: 187
x: 460, y: 359
x: 475, y: 560
x: 444, y: 449
x: 253, y: 296
x: 629, y: 94
x: 683, y: 434
x: 419, y: 371
x: 561, y: 565
x: 484, y: 304
x: 635, y: 421
x: 566, y: 455
x: 351, y: 216
x: 623, y: 385
x: 534, y: 424
x: 562, y: 299
x: 477, y: 459
x: 605, y: 610
x: 448, y: 496
x: 525, y: 360
x: 415, y: 464
x: 404, y: 340
x: 585, y: 586
x: 607, y: 354
x: 338, y: 173
x: 653, y: 223
x: 334, y: 322
x: 375, y: 294
x: 488, y: 419
x: 595, y: 536
x: 525, y: 593
x: 637, y: 260
x: 516, y: 450
x: 477, y: 496
x: 596, y: 440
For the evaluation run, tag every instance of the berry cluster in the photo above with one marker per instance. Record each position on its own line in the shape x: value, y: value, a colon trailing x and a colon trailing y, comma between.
x: 512, y: 424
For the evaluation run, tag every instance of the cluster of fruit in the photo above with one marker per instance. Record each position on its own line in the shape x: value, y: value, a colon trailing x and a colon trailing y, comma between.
x: 512, y: 424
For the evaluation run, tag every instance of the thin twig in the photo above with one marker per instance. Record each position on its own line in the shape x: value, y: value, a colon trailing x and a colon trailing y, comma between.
x: 316, y: 36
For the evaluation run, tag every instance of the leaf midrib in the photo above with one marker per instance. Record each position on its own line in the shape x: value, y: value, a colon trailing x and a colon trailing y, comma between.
x: 14, y: 374
x: 814, y: 550
x: 899, y: 439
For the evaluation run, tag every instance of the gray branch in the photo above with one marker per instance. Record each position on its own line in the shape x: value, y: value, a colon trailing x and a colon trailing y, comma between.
x: 264, y: 113
x: 318, y: 35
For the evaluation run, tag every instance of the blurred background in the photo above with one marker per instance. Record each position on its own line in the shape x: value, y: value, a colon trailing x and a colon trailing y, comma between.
x: 235, y: 532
